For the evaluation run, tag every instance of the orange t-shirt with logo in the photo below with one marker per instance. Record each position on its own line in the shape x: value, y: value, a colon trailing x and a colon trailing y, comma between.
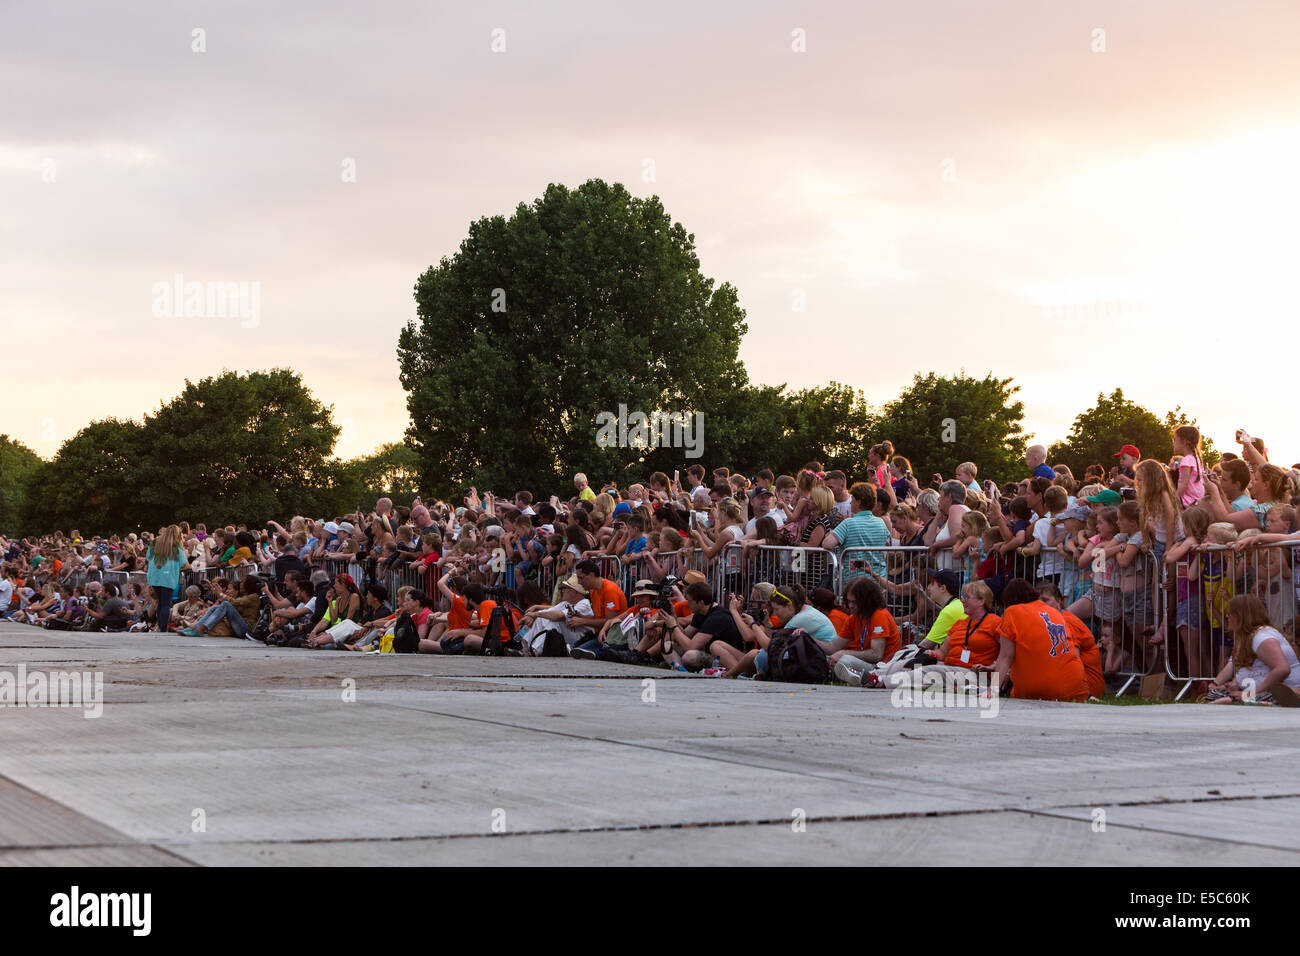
x: 607, y: 599
x: 1081, y: 634
x: 1047, y: 664
x: 860, y: 635
x: 982, y: 643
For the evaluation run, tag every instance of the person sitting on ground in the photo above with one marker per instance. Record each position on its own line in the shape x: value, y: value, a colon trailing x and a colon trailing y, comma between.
x: 614, y: 642
x: 187, y: 612
x: 233, y: 618
x: 1036, y: 654
x: 540, y: 622
x: 870, y: 632
x: 1262, y: 658
x: 711, y: 633
x: 112, y: 614
x: 1081, y: 634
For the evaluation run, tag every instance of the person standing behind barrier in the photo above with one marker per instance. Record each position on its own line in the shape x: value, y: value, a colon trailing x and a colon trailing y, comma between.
x: 946, y: 531
x: 838, y: 484
x: 1036, y: 652
x: 165, y: 561
x: 862, y: 529
x: 1262, y: 658
x: 1036, y: 462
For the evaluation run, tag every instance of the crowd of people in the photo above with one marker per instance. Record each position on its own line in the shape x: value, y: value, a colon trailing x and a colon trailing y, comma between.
x: 1053, y: 582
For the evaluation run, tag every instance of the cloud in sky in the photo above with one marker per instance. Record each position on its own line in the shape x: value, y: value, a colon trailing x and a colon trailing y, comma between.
x: 1109, y: 219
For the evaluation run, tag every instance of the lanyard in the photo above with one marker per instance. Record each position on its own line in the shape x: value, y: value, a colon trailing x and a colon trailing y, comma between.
x: 971, y: 630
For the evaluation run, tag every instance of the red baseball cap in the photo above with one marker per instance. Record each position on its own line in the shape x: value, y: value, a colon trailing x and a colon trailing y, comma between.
x: 1128, y: 450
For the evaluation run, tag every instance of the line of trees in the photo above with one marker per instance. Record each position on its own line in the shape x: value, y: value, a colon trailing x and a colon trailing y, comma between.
x: 582, y: 302
x: 230, y: 448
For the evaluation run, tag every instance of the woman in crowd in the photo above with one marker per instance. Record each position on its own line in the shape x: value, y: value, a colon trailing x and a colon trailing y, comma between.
x: 1262, y: 658
x: 165, y: 561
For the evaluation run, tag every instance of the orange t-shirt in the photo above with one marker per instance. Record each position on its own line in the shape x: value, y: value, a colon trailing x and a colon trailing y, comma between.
x: 983, y: 643
x: 1081, y: 634
x: 838, y: 618
x: 458, y: 616
x: 682, y: 609
x: 881, y: 624
x: 1046, y: 665
x: 607, y: 599
x: 482, y: 614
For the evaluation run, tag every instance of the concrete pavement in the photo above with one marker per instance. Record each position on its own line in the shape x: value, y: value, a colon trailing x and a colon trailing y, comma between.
x: 215, y: 751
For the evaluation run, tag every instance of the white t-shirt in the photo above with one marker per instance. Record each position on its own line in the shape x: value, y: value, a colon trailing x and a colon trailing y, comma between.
x: 1259, y: 670
x: 1050, y: 561
x: 844, y: 507
x: 776, y: 514
x: 6, y: 594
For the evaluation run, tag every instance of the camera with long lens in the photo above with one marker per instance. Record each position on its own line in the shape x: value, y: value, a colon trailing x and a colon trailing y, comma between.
x: 664, y: 601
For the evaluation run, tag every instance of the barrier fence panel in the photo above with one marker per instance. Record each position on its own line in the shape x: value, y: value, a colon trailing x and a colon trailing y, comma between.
x: 739, y: 567
x: 1204, y: 581
x: 901, y: 573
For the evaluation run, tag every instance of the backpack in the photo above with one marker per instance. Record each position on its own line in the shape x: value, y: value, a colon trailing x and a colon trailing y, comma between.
x: 499, y: 638
x: 406, y: 640
x: 794, y: 657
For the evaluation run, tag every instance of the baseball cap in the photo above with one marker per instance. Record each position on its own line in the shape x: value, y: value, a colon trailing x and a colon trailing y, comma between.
x: 1079, y: 512
x: 948, y: 579
x: 1128, y: 450
x: 758, y: 490
x: 331, y: 527
x: 1106, y: 497
x: 347, y: 526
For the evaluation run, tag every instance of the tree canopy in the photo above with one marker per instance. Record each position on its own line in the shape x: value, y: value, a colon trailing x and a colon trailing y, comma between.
x: 1115, y: 421
x: 583, y: 302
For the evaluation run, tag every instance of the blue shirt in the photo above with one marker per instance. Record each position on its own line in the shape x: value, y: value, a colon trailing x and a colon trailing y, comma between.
x: 818, y: 625
x: 169, y: 575
x: 1045, y: 471
x: 863, y: 530
x: 635, y: 547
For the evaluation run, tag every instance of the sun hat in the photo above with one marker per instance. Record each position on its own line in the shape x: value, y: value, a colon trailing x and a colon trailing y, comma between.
x: 573, y: 584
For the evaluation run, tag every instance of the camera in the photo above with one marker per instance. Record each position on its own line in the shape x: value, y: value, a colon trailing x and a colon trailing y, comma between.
x: 664, y: 601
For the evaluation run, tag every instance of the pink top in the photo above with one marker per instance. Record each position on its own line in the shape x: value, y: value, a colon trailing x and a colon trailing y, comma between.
x: 1196, y: 480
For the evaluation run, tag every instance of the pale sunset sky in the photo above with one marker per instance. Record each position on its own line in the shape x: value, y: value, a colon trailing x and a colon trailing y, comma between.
x: 952, y: 185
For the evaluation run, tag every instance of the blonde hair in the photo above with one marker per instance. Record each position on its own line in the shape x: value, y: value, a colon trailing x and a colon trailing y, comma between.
x: 980, y: 590
x: 1221, y: 532
x: 970, y: 469
x: 166, y: 545
x: 823, y: 501
x: 1156, y: 497
x: 601, y: 508
x: 978, y: 523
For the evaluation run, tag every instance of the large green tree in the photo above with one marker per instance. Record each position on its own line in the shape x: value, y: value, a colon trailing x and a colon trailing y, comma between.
x: 92, y: 484
x: 1116, y: 421
x: 585, y: 301
x: 236, y: 448
x: 940, y: 421
x: 17, y: 462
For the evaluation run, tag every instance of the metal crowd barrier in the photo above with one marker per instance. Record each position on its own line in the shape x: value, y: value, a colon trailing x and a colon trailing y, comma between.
x: 1203, y: 582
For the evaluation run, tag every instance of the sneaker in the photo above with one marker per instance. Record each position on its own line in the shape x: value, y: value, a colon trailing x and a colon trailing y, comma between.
x: 581, y: 654
x: 848, y: 675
